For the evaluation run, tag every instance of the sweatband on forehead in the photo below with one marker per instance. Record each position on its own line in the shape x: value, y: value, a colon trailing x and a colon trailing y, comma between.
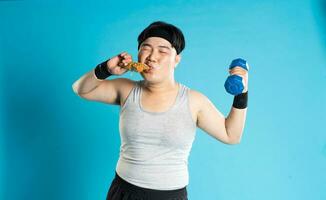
x: 158, y: 32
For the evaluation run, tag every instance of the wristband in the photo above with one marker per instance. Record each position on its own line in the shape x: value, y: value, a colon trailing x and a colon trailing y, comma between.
x: 101, y: 70
x: 240, y: 101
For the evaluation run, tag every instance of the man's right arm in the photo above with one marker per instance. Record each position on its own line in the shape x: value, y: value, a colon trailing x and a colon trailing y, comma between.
x: 91, y: 87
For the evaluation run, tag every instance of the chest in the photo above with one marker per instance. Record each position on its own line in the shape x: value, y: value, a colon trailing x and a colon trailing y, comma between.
x: 157, y: 130
x: 162, y: 103
x: 165, y: 102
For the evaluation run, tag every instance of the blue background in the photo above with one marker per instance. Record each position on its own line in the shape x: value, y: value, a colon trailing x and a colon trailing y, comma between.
x: 55, y: 145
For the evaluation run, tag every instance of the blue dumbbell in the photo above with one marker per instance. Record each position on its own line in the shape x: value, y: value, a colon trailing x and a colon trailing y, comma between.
x: 233, y: 83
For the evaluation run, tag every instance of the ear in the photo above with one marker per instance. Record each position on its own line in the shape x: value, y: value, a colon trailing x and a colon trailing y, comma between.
x: 177, y: 60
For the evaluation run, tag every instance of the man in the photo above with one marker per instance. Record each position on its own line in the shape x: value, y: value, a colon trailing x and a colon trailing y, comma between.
x: 158, y: 116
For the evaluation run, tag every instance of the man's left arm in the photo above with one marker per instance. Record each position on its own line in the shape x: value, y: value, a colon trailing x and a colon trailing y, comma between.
x: 228, y: 130
x: 235, y: 123
x: 236, y: 119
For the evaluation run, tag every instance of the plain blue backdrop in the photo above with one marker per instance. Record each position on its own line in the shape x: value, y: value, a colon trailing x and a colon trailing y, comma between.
x: 55, y: 145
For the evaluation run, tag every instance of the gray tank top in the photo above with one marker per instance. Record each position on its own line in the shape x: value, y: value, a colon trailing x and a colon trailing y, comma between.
x: 155, y: 146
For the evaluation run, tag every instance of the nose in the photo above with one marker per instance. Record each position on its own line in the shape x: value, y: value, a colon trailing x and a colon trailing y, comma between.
x: 152, y: 57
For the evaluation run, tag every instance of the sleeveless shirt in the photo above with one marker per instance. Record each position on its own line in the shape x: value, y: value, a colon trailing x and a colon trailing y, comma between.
x: 155, y: 146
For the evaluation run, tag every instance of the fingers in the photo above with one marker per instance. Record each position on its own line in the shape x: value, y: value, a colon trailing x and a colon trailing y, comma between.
x: 238, y: 71
x: 125, y: 58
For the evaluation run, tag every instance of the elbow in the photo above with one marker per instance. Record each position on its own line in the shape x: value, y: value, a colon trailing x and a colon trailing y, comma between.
x: 76, y: 92
x: 75, y: 88
x: 233, y: 136
x: 234, y: 140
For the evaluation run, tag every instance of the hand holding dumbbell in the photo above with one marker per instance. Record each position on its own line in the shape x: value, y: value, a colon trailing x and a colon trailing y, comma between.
x: 237, y: 82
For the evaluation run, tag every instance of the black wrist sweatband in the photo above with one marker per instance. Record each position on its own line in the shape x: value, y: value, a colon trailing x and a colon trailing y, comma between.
x: 101, y: 70
x: 240, y: 101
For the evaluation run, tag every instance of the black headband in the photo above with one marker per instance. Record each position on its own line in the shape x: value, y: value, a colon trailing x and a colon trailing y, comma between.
x: 159, y: 32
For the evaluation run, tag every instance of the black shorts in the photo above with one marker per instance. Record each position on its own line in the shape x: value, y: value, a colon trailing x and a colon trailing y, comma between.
x: 123, y: 190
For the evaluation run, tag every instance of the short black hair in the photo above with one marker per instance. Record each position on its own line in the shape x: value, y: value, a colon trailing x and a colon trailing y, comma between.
x: 165, y: 30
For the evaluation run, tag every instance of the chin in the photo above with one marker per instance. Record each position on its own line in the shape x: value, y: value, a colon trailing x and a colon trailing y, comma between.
x: 150, y: 79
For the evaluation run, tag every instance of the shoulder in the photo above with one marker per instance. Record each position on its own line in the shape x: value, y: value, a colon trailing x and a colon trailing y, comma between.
x: 197, y: 99
x: 125, y: 83
x: 198, y: 102
x: 120, y: 84
x: 197, y: 96
x: 125, y: 86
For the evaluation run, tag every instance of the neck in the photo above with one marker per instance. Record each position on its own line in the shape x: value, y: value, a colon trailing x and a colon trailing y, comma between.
x: 162, y: 87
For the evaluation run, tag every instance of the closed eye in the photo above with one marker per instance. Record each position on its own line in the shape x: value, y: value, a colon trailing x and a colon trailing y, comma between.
x: 164, y: 51
x: 145, y: 48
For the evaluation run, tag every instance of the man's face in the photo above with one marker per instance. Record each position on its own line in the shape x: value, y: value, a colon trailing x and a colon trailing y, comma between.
x: 160, y: 56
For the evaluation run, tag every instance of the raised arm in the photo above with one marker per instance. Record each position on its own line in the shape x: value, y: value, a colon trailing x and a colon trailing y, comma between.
x: 93, y: 86
x: 227, y: 130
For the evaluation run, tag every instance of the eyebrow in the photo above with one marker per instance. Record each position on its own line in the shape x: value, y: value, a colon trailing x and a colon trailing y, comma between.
x: 160, y: 46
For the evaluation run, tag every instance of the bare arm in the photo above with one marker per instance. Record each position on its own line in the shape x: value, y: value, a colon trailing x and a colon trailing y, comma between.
x: 210, y: 119
x: 235, y: 123
x: 228, y: 130
x: 91, y: 88
x: 236, y: 119
x: 86, y: 83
